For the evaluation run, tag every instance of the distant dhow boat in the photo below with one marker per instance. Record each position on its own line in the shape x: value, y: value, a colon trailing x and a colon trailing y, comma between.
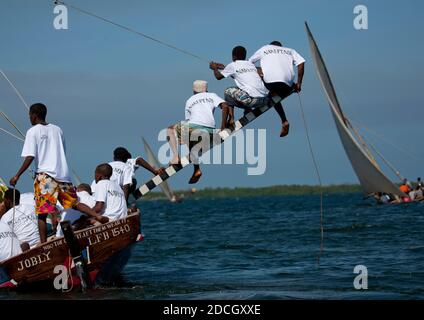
x: 369, y: 173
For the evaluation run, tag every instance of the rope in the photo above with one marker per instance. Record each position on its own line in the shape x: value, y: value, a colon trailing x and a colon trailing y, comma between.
x: 311, y: 150
x: 12, y: 123
x: 13, y: 221
x: 132, y: 31
x: 15, y: 89
x: 11, y: 134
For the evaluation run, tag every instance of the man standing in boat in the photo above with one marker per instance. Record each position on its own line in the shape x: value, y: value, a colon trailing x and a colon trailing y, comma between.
x: 277, y: 68
x: 45, y: 144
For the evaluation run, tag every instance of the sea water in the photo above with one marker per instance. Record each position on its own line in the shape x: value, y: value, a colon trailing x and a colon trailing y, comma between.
x: 267, y: 248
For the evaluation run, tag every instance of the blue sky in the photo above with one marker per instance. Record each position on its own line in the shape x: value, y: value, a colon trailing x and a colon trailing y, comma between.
x: 106, y: 87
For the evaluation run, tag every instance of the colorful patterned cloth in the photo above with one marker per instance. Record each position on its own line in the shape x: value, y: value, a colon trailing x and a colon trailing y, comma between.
x: 47, y: 191
x: 3, y: 189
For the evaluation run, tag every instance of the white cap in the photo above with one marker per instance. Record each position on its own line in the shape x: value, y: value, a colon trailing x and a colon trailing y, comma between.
x: 200, y: 86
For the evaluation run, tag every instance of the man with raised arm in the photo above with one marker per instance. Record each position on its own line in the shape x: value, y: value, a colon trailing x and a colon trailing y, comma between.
x: 277, y: 67
x: 199, y: 122
x: 45, y: 144
x: 250, y: 91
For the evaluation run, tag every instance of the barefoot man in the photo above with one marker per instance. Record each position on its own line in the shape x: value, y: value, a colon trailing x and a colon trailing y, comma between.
x: 277, y: 67
x: 199, y: 118
x: 45, y: 144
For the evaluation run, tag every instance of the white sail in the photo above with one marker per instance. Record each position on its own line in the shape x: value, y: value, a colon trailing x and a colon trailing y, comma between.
x: 151, y: 159
x: 370, y: 176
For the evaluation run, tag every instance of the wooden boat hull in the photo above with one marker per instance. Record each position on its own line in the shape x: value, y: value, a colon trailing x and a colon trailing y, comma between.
x: 106, y: 249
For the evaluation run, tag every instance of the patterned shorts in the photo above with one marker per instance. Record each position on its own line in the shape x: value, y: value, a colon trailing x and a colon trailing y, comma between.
x: 236, y: 97
x: 47, y: 191
x: 185, y: 130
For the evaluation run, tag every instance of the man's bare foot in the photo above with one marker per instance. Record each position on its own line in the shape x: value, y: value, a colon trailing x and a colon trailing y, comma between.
x: 195, y: 177
x: 285, y: 129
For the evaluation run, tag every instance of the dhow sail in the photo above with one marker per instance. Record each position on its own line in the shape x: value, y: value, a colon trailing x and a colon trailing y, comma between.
x: 372, y: 179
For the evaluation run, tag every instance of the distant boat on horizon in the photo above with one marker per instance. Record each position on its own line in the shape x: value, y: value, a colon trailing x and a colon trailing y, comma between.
x: 370, y: 175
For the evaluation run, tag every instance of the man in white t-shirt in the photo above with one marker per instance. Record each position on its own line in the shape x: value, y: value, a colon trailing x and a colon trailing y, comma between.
x: 250, y: 92
x: 199, y: 123
x: 277, y: 68
x: 21, y: 218
x: 9, y: 243
x: 109, y: 196
x: 124, y: 170
x: 45, y: 145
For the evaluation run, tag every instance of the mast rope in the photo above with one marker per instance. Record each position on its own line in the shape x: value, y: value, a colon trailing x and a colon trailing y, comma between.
x: 11, y: 134
x: 317, y: 171
x: 15, y: 89
x: 121, y: 26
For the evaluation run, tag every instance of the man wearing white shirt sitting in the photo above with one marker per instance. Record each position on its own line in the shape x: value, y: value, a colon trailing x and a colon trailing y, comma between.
x: 123, y: 169
x: 109, y: 196
x: 250, y: 91
x: 9, y: 243
x: 277, y: 67
x: 21, y: 219
x: 199, y: 119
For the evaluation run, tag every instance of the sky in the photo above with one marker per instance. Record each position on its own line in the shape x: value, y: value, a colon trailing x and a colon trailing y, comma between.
x: 107, y: 87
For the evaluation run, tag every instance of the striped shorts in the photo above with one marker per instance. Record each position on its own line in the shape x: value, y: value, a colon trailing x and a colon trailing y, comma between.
x: 236, y: 97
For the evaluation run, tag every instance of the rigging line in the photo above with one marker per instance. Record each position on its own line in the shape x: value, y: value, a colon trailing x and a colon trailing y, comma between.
x: 13, y: 221
x: 11, y: 134
x: 15, y: 89
x: 132, y: 31
x: 311, y: 150
x: 391, y: 166
x: 382, y: 138
x: 12, y: 123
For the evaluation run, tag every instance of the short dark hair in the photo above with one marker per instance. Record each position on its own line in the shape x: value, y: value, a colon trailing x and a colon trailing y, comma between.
x: 39, y: 109
x: 9, y: 195
x: 240, y: 53
x: 105, y: 169
x: 276, y: 43
x: 121, y: 154
x: 84, y: 187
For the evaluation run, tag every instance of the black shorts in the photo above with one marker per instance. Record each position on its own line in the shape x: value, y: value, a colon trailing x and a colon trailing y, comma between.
x: 281, y: 89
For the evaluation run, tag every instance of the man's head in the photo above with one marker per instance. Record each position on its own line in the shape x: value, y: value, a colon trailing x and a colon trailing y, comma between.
x: 8, y: 198
x: 37, y: 113
x: 405, y: 181
x: 276, y: 43
x: 103, y: 172
x: 239, y: 53
x: 121, y: 154
x: 84, y: 187
x: 200, y: 86
x: 419, y: 179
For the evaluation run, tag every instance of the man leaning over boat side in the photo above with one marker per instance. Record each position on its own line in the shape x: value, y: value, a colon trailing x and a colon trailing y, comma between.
x: 250, y: 91
x: 21, y: 219
x: 109, y: 196
x: 277, y: 67
x: 199, y: 119
x: 45, y: 145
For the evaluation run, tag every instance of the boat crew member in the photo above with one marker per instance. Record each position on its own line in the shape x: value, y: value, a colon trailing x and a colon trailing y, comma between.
x: 277, y: 66
x: 250, y: 91
x: 9, y: 243
x: 405, y: 188
x: 21, y: 218
x: 419, y: 183
x: 45, y: 144
x: 199, y: 121
x: 109, y: 196
x: 123, y: 169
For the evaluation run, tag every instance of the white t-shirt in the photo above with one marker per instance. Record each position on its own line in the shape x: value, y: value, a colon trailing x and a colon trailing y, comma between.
x: 26, y: 224
x: 9, y: 243
x: 111, y: 194
x: 122, y: 173
x: 47, y: 145
x: 278, y: 63
x: 200, y: 107
x: 132, y: 163
x: 27, y: 198
x: 73, y: 215
x: 246, y: 77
